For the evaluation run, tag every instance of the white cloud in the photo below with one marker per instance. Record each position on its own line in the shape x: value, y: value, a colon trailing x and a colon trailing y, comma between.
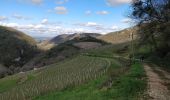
x: 90, y: 24
x: 102, y: 12
x: 114, y: 27
x: 44, y: 21
x: 17, y: 16
x: 3, y: 18
x: 37, y: 1
x: 43, y: 29
x: 93, y: 27
x: 126, y: 20
x: 88, y: 12
x: 61, y: 1
x: 79, y: 29
x: 15, y: 25
x: 49, y: 30
x: 61, y: 10
x: 117, y: 2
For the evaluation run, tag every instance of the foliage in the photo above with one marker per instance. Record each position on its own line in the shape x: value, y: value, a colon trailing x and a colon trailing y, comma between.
x: 153, y: 17
x: 151, y: 10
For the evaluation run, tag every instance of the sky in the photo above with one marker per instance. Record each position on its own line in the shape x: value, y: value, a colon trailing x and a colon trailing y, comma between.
x: 48, y: 18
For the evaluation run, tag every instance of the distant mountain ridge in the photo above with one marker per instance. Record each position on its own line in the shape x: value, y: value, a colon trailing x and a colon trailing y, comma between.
x: 65, y: 37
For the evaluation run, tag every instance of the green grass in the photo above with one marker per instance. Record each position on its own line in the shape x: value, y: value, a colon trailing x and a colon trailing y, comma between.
x: 5, y: 85
x: 85, y: 92
x: 10, y: 82
x: 126, y: 86
x: 131, y: 85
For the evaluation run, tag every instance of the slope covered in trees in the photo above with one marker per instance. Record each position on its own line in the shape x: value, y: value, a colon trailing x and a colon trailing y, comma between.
x: 16, y: 48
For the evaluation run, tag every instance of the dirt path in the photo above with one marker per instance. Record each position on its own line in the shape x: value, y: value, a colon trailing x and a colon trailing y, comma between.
x: 157, y: 88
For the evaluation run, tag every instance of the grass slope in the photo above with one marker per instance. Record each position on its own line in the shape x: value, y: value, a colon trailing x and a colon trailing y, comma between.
x: 118, y: 37
x: 70, y: 73
x: 124, y: 87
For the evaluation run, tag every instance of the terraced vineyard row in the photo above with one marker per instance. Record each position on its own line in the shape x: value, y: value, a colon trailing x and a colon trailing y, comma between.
x: 57, y: 77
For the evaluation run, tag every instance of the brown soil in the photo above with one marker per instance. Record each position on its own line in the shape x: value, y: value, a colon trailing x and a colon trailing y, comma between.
x: 157, y: 85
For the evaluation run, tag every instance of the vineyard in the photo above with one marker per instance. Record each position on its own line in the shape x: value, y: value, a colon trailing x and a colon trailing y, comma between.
x: 69, y: 73
x: 100, y: 74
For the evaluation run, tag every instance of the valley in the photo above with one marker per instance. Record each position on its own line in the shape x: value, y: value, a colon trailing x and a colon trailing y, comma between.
x: 80, y: 68
x: 95, y: 70
x: 84, y: 50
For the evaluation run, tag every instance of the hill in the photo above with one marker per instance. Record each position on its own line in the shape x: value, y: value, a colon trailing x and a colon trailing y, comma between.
x: 16, y: 48
x: 63, y: 38
x: 118, y: 37
x: 64, y: 50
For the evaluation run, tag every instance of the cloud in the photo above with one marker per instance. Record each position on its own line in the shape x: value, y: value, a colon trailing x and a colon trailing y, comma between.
x: 19, y: 17
x: 61, y: 1
x: 88, y: 12
x: 117, y: 2
x: 47, y: 28
x: 37, y: 2
x: 40, y: 29
x: 15, y: 25
x: 61, y: 10
x: 88, y: 24
x: 102, y: 12
x: 91, y: 24
x: 93, y: 27
x: 3, y: 18
x: 126, y: 20
x: 44, y: 21
x: 114, y: 27
x: 50, y: 30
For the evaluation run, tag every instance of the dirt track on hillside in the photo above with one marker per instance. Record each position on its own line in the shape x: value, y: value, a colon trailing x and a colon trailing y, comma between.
x: 157, y: 88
